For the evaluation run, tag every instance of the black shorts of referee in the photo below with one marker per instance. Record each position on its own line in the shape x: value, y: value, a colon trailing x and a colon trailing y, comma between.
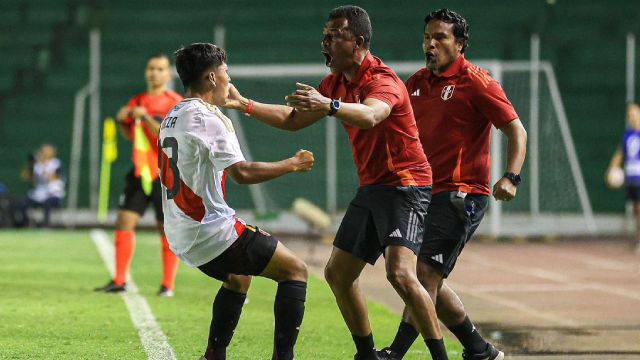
x: 134, y: 199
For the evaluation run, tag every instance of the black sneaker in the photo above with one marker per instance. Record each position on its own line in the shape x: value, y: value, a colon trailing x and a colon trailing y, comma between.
x: 112, y: 287
x: 165, y: 292
x: 358, y: 357
x: 388, y: 354
x: 490, y: 353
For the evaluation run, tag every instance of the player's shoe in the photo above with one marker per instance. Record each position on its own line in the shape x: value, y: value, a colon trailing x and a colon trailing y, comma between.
x: 388, y: 354
x: 490, y: 353
x: 112, y: 287
x: 165, y: 292
x: 358, y: 357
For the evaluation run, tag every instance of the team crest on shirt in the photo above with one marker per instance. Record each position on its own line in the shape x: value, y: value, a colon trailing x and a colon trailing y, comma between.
x: 447, y: 92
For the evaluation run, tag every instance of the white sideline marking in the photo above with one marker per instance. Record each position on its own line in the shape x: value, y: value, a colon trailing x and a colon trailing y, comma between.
x: 153, y: 340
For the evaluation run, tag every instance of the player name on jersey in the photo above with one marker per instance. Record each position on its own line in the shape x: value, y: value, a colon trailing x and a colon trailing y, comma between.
x: 169, y: 122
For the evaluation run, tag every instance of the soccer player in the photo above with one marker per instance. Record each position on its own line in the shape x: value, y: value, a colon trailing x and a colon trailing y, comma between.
x: 455, y: 104
x: 139, y: 121
x: 628, y: 154
x: 387, y: 214
x: 198, y: 147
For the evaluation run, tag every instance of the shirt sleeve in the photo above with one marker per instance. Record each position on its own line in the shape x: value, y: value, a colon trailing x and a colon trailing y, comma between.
x: 58, y: 168
x: 224, y: 148
x: 383, y: 88
x: 492, y: 102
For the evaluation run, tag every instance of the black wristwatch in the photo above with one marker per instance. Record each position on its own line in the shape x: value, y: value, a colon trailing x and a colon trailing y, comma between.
x: 514, y: 178
x: 335, y: 106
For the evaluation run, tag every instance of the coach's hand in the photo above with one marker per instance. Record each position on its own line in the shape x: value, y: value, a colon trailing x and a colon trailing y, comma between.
x: 302, y: 161
x: 307, y: 98
x: 234, y: 101
x: 504, y: 190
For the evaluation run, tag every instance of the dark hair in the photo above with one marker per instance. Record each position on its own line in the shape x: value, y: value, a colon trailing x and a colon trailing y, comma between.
x: 193, y: 60
x: 358, y: 21
x: 159, y: 56
x: 460, y: 26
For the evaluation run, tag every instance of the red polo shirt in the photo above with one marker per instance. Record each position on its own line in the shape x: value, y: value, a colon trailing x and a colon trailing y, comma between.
x: 454, y: 113
x: 390, y: 153
x: 157, y: 107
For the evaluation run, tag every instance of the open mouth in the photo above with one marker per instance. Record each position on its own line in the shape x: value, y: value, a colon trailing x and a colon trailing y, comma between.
x: 327, y: 58
x: 430, y: 56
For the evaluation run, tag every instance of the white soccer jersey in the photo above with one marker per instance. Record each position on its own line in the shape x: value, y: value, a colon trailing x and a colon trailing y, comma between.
x: 197, y: 142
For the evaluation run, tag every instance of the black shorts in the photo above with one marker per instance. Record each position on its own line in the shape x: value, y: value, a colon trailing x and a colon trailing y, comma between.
x: 133, y: 197
x: 248, y: 255
x: 450, y: 223
x: 380, y: 216
x: 633, y: 192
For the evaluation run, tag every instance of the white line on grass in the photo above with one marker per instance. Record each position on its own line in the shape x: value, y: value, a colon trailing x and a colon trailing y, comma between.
x: 153, y: 340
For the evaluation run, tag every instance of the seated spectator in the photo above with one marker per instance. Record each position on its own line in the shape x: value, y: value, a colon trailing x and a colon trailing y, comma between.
x: 48, y: 185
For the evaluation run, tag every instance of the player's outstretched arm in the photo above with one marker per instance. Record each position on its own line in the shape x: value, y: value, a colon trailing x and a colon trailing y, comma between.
x: 516, y: 135
x: 616, y: 160
x: 371, y: 112
x: 278, y: 116
x: 249, y: 172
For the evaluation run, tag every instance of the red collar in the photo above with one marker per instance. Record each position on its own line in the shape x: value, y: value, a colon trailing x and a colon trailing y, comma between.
x: 454, y: 68
x: 364, y: 66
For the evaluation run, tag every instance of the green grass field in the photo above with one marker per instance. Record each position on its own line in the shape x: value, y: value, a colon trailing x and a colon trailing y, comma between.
x: 49, y: 311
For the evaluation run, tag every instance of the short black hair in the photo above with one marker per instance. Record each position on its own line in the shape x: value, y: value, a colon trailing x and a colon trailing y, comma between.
x: 358, y: 21
x: 193, y: 60
x: 460, y: 26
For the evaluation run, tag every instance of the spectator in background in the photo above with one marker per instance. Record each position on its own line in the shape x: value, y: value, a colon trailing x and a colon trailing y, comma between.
x: 48, y: 186
x: 628, y: 154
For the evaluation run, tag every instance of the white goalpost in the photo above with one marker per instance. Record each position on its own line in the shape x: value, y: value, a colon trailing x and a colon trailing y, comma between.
x: 532, y: 87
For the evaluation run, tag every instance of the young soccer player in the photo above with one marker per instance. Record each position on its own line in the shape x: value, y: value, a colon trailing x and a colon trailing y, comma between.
x: 198, y: 146
x: 139, y: 121
x: 628, y: 155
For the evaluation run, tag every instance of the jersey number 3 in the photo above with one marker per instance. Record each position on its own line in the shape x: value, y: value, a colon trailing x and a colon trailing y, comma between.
x: 170, y: 143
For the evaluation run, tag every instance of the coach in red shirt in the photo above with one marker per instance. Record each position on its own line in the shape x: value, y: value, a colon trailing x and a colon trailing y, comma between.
x: 387, y: 214
x: 455, y: 104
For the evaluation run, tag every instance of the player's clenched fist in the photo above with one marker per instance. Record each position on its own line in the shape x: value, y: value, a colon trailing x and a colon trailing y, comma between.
x: 504, y: 190
x: 303, y: 161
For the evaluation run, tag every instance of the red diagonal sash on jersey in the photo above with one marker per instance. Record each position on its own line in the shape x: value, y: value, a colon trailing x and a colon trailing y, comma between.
x: 186, y: 200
